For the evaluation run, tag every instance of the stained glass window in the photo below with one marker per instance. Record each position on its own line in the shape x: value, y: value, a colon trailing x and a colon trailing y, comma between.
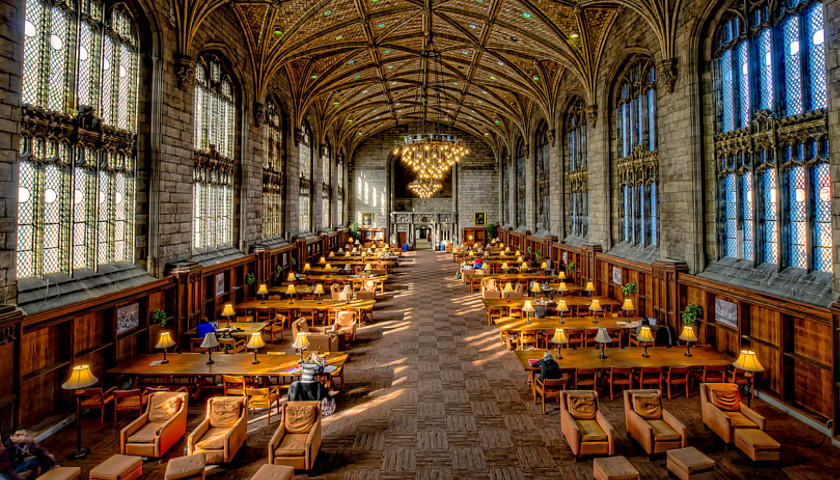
x: 789, y: 49
x: 339, y: 191
x: 273, y: 172
x: 76, y: 200
x: 543, y: 178
x: 505, y: 197
x: 577, y: 176
x: 326, y: 162
x: 215, y: 127
x: 305, y: 203
x: 521, y: 161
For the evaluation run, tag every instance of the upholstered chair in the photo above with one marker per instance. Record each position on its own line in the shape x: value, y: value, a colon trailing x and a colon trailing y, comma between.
x: 223, y: 430
x: 584, y: 427
x: 723, y: 412
x: 319, y: 339
x: 656, y: 430
x: 298, y: 439
x: 345, y: 324
x: 335, y: 291
x: 161, y: 426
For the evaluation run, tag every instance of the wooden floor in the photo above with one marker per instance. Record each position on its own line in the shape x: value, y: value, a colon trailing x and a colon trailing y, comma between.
x: 431, y: 395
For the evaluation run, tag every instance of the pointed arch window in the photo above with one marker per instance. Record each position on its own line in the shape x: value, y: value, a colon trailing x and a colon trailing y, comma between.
x: 326, y: 186
x: 274, y: 169
x: 339, y: 191
x: 577, y: 168
x: 769, y: 72
x: 215, y: 128
x: 638, y: 159
x: 543, y: 178
x: 305, y: 197
x: 505, y: 196
x: 76, y: 190
x: 521, y: 161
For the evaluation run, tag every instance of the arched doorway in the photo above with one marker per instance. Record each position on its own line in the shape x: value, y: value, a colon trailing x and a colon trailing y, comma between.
x: 423, y: 237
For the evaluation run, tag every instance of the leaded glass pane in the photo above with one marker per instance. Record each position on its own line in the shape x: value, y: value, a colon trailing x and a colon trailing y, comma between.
x: 104, y: 216
x: 797, y: 218
x: 770, y: 212
x: 821, y: 182
x: 59, y: 50
x: 746, y: 191
x: 107, y: 92
x: 815, y: 36
x: 730, y: 209
x: 765, y: 73
x: 33, y: 48
x: 654, y: 214
x: 627, y: 212
x: 744, y: 84
x: 793, y: 83
x: 727, y: 92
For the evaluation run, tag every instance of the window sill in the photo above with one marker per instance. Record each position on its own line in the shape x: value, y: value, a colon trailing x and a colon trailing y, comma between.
x: 213, y: 257
x: 636, y: 252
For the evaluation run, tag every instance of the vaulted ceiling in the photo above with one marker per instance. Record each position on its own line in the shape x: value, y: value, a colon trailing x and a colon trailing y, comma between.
x: 358, y: 64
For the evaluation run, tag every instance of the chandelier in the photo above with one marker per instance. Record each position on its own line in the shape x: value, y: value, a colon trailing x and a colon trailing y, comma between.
x: 425, y: 188
x: 431, y: 155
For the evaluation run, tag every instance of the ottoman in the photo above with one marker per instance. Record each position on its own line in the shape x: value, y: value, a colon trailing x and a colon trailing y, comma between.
x: 757, y: 445
x: 62, y: 473
x: 614, y: 468
x: 118, y: 467
x: 189, y: 467
x: 690, y: 464
x: 274, y: 472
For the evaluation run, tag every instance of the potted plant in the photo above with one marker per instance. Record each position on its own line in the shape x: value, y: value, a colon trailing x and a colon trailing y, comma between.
x: 278, y: 271
x: 538, y: 256
x: 628, y: 289
x: 159, y: 318
x: 491, y: 232
x: 354, y: 230
x: 689, y: 317
x: 250, y: 279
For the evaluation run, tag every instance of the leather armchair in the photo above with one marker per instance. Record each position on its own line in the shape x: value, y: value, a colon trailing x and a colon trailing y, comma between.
x: 319, y: 339
x: 345, y: 324
x: 335, y: 291
x: 223, y: 430
x: 161, y: 426
x: 298, y: 439
x: 584, y: 427
x: 655, y: 429
x: 723, y: 411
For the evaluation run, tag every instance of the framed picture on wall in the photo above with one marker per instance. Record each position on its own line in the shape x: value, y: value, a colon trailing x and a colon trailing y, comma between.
x: 367, y: 219
x: 616, y: 274
x: 128, y: 318
x: 480, y: 219
x: 220, y: 284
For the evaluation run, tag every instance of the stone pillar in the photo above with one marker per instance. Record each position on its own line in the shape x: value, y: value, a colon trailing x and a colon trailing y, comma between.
x: 600, y: 191
x: 531, y: 185
x: 557, y: 201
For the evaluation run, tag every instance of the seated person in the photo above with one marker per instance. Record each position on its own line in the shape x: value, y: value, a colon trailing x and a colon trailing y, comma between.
x: 477, y: 263
x: 6, y: 472
x: 642, y: 323
x: 309, y: 388
x: 25, y: 454
x: 204, y: 327
x: 549, y: 368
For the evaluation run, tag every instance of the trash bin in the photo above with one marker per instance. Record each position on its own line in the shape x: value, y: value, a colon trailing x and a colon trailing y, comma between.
x: 405, y: 247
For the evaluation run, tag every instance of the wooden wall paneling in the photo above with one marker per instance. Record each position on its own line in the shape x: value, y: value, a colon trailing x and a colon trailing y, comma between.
x: 813, y: 388
x: 88, y: 331
x: 39, y: 395
x: 11, y: 332
x: 40, y: 350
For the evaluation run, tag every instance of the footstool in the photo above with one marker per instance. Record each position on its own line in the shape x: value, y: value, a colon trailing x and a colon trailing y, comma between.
x: 614, y: 468
x: 62, y: 473
x: 274, y: 472
x: 690, y: 464
x: 118, y: 467
x: 757, y: 445
x: 189, y: 467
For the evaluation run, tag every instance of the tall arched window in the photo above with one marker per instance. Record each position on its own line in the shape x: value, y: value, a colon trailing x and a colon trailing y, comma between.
x: 326, y: 187
x: 505, y: 196
x: 577, y: 176
x: 638, y: 160
x: 305, y: 198
x: 215, y: 129
x: 273, y: 172
x: 774, y: 197
x: 521, y: 161
x: 77, y: 175
x: 543, y: 178
x: 339, y: 191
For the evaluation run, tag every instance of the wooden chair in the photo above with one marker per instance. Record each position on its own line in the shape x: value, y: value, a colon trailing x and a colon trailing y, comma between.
x: 619, y: 376
x: 586, y: 377
x: 275, y: 326
x: 259, y: 398
x: 649, y: 378
x: 529, y: 337
x: 128, y: 401
x: 262, y: 314
x: 711, y: 374
x: 576, y: 338
x: 97, y: 398
x: 739, y: 377
x: 233, y: 385
x: 232, y: 345
x: 615, y: 334
x: 678, y: 376
x: 549, y: 388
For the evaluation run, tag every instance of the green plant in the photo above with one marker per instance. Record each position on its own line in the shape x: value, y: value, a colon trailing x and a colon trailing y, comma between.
x: 159, y: 317
x: 571, y: 267
x: 250, y: 279
x: 294, y: 261
x: 528, y: 250
x: 628, y: 288
x: 692, y: 313
x: 355, y: 228
x: 491, y: 232
x: 538, y: 256
x: 278, y: 271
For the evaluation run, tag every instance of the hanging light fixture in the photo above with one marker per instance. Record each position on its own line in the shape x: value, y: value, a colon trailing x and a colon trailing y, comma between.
x: 425, y: 188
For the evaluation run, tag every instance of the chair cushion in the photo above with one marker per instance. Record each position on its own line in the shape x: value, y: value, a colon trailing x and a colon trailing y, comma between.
x: 116, y: 467
x: 581, y: 405
x: 299, y: 418
x: 292, y: 445
x: 725, y: 397
x: 163, y: 405
x: 345, y: 319
x: 690, y: 459
x: 129, y: 402
x: 648, y: 406
x: 184, y: 467
x: 62, y: 473
x: 214, y: 439
x: 757, y: 439
x: 739, y: 420
x: 302, y: 326
x: 224, y: 412
x: 590, y: 431
x: 662, y: 432
x: 274, y: 472
x: 146, y: 434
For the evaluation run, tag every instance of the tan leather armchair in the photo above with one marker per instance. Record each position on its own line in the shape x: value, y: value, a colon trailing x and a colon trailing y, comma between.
x: 723, y: 411
x: 345, y: 324
x: 655, y: 429
x: 319, y: 339
x: 335, y: 291
x: 584, y: 427
x: 223, y: 430
x: 298, y: 439
x: 161, y: 426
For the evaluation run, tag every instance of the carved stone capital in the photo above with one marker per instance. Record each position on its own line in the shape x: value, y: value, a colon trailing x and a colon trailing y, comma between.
x: 591, y: 112
x: 184, y: 69
x: 668, y: 73
x: 298, y: 136
x: 551, y: 136
x: 259, y: 113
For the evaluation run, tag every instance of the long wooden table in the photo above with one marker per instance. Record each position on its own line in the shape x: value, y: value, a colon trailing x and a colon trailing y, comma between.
x: 629, y: 357
x: 243, y: 329
x: 363, y: 307
x: 571, y: 301
x: 569, y: 323
x: 355, y: 281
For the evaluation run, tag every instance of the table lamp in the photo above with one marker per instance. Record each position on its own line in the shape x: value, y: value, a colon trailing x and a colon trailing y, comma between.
x: 301, y: 342
x: 561, y: 275
x: 559, y: 338
x: 544, y: 266
x: 504, y: 266
x: 508, y: 290
x: 603, y: 338
x: 688, y: 335
x: 319, y: 290
x: 525, y: 265
x: 347, y: 255
x: 348, y: 268
x: 165, y: 341
x: 644, y: 337
x: 332, y: 254
x: 535, y: 288
x: 340, y: 250
x: 368, y: 268
x: 518, y: 253
x: 563, y: 288
x: 263, y: 290
x: 255, y: 343
x: 748, y: 362
x: 291, y: 277
x: 501, y: 254
x: 328, y: 267
x: 590, y: 287
x: 528, y: 308
x: 322, y: 260
x: 520, y: 259
x: 291, y: 291
x: 210, y: 342
x: 307, y: 267
x: 595, y: 307
x: 501, y: 245
x: 347, y: 292
x: 562, y: 308
x: 507, y: 249
x: 81, y: 377
x: 628, y: 306
x: 228, y: 312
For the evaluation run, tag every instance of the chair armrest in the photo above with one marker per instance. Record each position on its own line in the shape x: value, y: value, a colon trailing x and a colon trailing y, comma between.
x: 196, y: 434
x: 275, y: 441
x: 109, y: 391
x: 605, y: 425
x: 313, y: 443
x: 639, y: 428
x: 131, y: 429
x: 675, y: 424
x: 753, y: 415
x: 570, y: 430
x: 237, y: 434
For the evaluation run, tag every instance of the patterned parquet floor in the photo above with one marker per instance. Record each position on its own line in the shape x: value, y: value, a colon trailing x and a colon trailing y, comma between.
x: 430, y: 394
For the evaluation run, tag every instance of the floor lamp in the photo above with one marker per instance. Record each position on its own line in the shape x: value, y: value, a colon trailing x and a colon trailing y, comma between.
x: 81, y: 377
